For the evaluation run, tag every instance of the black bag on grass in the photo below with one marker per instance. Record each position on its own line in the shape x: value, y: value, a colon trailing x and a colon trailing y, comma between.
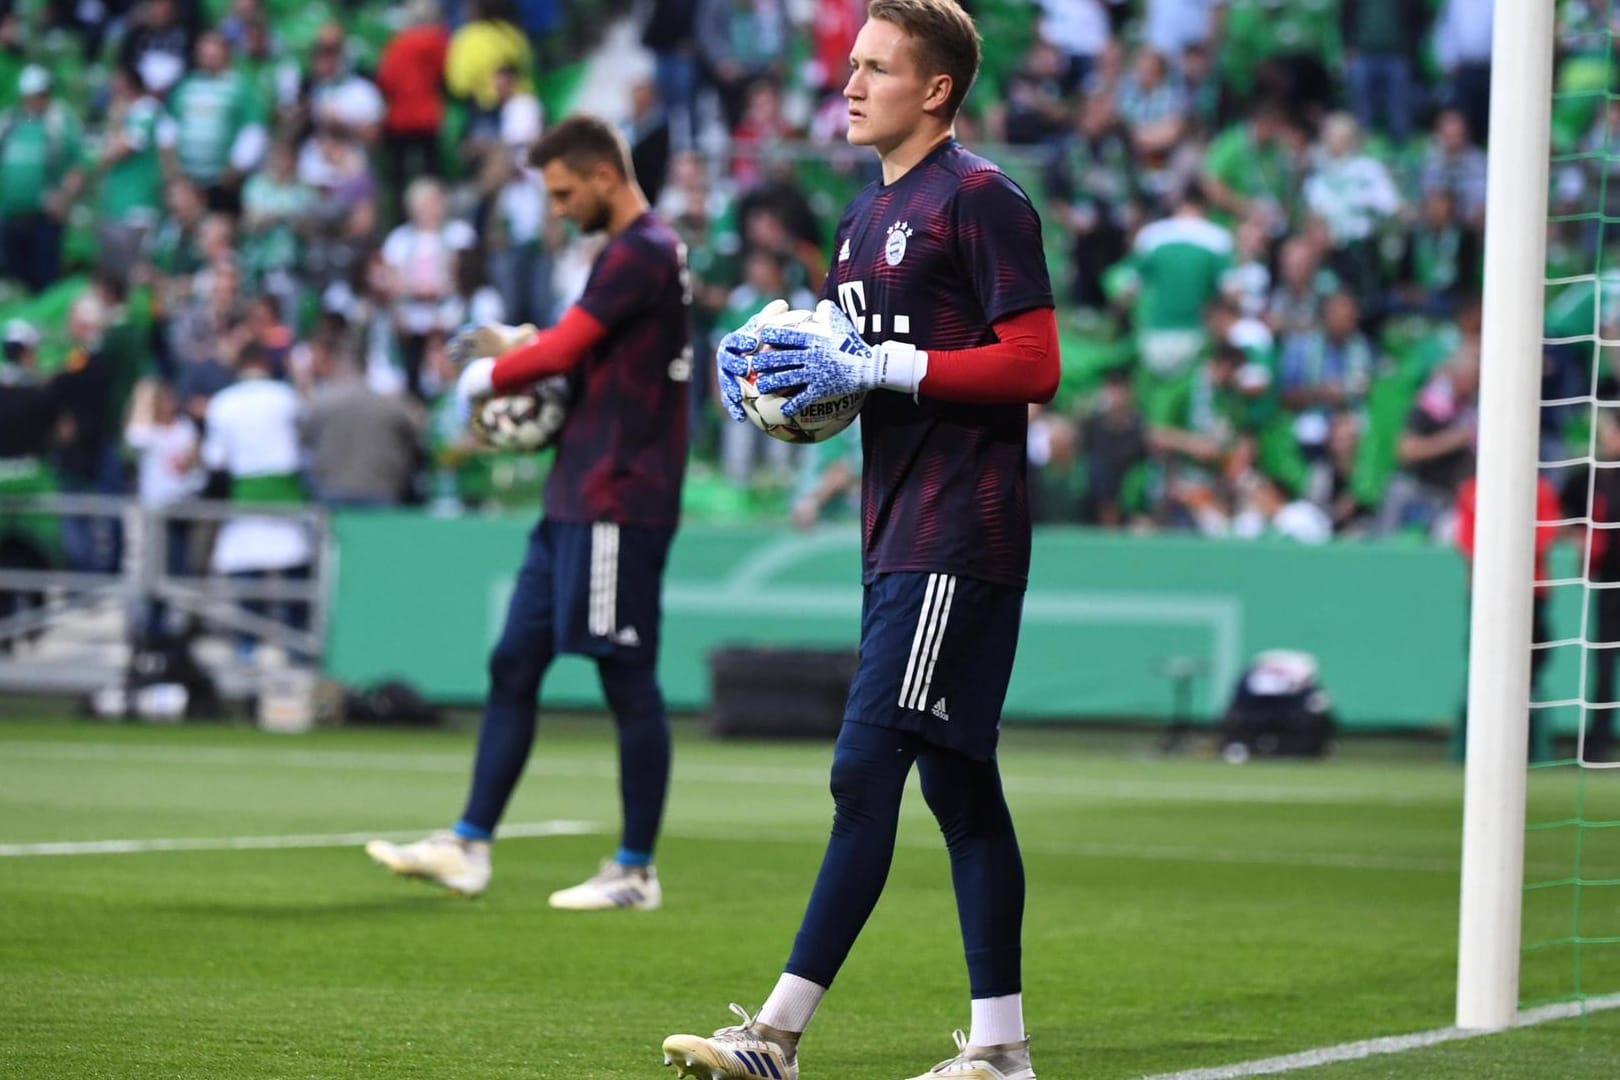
x: 391, y: 703
x: 1278, y: 709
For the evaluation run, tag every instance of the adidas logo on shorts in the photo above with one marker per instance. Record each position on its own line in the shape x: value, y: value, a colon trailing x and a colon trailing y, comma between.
x: 939, y: 710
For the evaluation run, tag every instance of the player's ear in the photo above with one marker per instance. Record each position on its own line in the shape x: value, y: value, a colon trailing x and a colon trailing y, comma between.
x: 939, y: 92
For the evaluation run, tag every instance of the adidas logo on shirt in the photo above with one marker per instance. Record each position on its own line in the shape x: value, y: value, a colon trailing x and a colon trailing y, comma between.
x: 843, y: 252
x: 939, y: 710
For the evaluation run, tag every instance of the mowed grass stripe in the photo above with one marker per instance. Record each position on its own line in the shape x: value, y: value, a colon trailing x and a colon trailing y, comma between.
x: 1182, y: 789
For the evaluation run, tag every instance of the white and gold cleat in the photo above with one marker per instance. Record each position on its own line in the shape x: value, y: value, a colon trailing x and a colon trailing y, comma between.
x: 615, y: 887
x: 1006, y: 1062
x: 749, y: 1051
x: 462, y: 866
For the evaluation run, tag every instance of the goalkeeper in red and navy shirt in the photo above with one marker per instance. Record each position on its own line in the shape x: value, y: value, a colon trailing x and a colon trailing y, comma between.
x: 591, y: 579
x: 942, y: 310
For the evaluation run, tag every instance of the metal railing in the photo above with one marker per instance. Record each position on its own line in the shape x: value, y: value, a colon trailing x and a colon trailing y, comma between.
x: 215, y: 604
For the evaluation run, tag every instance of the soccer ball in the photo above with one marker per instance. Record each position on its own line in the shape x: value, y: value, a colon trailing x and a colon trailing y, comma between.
x: 526, y: 421
x: 820, y: 420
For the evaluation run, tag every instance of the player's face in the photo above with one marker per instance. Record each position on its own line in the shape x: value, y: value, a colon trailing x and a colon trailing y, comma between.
x: 576, y: 196
x: 888, y: 96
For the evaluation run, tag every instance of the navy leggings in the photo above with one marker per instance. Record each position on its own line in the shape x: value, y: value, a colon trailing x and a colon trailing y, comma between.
x: 870, y: 766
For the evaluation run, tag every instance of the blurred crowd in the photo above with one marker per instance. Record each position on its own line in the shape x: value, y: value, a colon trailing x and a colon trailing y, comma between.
x: 1264, y: 220
x: 1273, y: 212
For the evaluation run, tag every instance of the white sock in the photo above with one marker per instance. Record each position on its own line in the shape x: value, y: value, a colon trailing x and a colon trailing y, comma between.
x: 791, y: 1004
x: 998, y: 1021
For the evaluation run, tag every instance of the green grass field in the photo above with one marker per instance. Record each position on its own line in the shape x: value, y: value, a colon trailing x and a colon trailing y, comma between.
x: 1183, y: 914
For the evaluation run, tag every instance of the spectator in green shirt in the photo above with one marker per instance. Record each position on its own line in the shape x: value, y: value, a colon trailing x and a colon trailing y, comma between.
x: 276, y: 209
x: 220, y: 136
x: 1178, y: 263
x: 1251, y: 168
x: 1208, y: 441
x: 129, y: 168
x: 39, y: 178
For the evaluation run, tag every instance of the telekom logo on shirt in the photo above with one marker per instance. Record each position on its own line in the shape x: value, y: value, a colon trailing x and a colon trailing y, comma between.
x: 852, y: 298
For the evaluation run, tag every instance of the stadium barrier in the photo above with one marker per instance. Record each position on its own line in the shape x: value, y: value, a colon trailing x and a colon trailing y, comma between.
x: 65, y: 630
x: 1117, y: 627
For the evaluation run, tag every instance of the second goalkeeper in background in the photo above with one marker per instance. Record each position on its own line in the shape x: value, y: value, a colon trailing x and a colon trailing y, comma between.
x: 591, y: 580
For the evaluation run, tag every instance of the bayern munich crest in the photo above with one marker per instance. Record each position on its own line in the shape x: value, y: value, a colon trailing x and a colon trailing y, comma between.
x: 894, y: 248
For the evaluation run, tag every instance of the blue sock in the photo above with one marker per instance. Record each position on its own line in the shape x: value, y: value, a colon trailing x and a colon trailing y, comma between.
x: 987, y: 869
x: 468, y: 831
x: 869, y: 770
x: 644, y: 752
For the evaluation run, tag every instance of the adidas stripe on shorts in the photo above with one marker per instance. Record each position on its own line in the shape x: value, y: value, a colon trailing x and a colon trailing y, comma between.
x: 936, y: 655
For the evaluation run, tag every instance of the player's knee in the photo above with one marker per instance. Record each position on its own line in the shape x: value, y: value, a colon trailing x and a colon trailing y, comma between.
x: 632, y: 694
x: 861, y: 791
x: 515, y: 672
x: 966, y: 802
x: 949, y: 806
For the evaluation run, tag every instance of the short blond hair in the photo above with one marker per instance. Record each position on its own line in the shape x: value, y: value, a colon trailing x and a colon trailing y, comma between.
x: 947, y: 42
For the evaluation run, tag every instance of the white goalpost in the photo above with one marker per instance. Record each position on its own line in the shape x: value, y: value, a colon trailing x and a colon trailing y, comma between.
x: 1509, y: 410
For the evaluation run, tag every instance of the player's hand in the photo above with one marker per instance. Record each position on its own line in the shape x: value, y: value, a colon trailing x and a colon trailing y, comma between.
x: 736, y: 353
x: 476, y: 342
x: 735, y: 357
x: 731, y: 396
x: 830, y: 364
x: 477, y: 382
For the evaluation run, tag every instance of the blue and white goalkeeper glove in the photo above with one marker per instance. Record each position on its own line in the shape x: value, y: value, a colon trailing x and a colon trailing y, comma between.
x: 492, y: 339
x: 736, y: 355
x: 474, y: 386
x: 828, y: 363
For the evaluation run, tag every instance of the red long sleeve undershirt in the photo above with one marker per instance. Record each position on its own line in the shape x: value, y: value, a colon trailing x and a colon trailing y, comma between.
x: 1021, y: 367
x: 552, y: 352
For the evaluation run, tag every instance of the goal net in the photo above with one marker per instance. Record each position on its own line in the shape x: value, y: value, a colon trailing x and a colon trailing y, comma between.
x: 1571, y: 918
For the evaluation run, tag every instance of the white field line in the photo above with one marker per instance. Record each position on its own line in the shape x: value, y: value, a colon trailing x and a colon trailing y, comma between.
x: 256, y: 843
x: 741, y: 773
x: 1393, y: 1044
x: 1145, y: 853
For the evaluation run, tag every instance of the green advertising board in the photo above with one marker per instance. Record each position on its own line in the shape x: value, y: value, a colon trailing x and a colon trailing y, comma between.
x: 1107, y: 616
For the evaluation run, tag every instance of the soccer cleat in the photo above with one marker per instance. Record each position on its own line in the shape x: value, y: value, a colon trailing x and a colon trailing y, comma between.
x: 1007, y: 1062
x: 749, y: 1051
x: 462, y: 866
x: 615, y: 886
